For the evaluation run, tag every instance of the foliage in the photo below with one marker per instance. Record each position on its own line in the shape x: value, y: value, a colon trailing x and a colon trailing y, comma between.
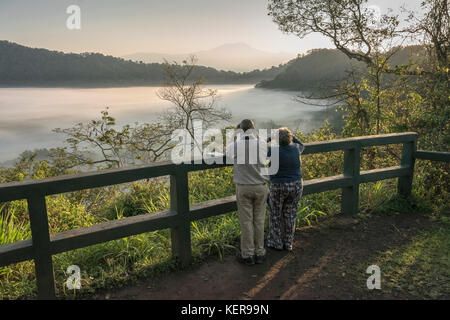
x: 354, y: 28
x: 398, y: 89
x: 98, y: 136
x: 11, y: 228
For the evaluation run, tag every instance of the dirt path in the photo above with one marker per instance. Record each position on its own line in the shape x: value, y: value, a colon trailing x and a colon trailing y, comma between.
x: 316, y: 269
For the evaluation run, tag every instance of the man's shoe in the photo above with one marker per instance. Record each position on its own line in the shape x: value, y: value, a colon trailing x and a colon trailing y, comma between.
x: 260, y: 259
x: 248, y: 261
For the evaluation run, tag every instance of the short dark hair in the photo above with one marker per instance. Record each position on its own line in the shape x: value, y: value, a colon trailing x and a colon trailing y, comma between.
x: 246, y: 124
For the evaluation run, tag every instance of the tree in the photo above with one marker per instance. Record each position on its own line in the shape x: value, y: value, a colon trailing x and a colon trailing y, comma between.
x: 150, y: 142
x: 354, y: 28
x: 361, y: 34
x: 358, y: 32
x: 382, y: 97
x: 93, y: 139
x: 190, y: 101
x: 100, y: 142
x: 432, y: 31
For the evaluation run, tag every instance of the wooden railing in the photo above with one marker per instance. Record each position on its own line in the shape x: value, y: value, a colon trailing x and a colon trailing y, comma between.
x: 43, y: 245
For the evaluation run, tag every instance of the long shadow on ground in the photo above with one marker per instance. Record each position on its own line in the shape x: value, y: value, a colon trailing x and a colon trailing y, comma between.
x: 316, y: 269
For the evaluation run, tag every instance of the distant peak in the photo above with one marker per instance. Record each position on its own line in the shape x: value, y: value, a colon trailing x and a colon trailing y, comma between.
x: 236, y: 47
x: 236, y: 44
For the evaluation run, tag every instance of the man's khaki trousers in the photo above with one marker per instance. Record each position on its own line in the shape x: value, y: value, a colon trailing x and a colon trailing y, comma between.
x: 251, y: 203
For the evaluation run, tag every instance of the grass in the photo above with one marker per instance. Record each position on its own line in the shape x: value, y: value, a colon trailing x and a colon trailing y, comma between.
x: 417, y: 270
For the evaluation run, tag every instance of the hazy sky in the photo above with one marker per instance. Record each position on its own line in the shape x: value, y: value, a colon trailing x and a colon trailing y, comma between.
x: 120, y: 27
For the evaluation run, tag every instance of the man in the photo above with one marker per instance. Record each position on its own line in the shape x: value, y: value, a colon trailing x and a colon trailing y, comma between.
x: 249, y: 158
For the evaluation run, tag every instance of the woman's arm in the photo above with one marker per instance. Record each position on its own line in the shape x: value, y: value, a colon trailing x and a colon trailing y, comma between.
x: 300, y: 145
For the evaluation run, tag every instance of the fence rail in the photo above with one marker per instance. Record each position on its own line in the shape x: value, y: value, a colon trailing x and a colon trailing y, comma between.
x: 433, y: 155
x: 178, y: 218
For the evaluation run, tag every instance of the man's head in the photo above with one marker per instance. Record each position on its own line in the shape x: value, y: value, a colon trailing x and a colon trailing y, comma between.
x: 246, y: 124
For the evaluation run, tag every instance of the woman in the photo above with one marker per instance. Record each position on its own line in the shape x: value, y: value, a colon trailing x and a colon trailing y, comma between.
x: 285, y: 190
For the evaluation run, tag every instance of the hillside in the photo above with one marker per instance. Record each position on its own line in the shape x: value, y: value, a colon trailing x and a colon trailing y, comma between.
x: 20, y: 65
x: 321, y: 69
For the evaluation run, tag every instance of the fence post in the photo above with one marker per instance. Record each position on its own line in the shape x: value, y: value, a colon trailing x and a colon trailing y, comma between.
x: 43, y: 264
x: 350, y: 195
x: 405, y: 182
x: 179, y: 202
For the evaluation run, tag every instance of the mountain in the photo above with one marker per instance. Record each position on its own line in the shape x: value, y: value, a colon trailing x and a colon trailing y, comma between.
x: 322, y: 69
x: 315, y: 69
x: 20, y: 65
x: 238, y: 57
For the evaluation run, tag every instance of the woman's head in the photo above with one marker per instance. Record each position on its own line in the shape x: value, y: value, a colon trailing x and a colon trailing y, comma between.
x: 284, y: 136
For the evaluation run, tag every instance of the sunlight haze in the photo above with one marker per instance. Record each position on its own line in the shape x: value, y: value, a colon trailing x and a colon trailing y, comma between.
x: 119, y: 28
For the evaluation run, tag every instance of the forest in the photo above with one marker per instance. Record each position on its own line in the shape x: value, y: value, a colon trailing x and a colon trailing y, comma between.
x: 322, y: 69
x: 24, y: 66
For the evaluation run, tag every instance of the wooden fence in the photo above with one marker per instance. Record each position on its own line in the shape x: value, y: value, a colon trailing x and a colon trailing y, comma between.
x: 43, y: 245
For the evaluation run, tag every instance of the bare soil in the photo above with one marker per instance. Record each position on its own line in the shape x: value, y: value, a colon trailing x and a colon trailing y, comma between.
x: 317, y: 268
